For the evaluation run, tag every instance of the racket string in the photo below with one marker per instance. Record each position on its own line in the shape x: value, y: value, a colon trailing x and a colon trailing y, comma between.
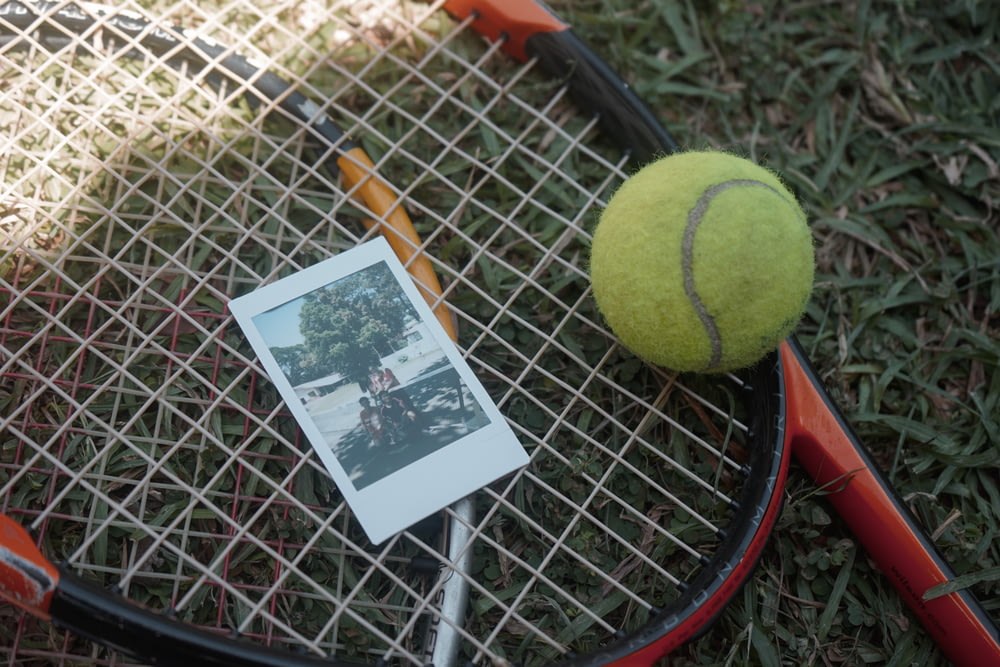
x: 199, y: 479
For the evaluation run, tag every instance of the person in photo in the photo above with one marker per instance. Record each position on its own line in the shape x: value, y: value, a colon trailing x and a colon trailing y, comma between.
x: 371, y: 421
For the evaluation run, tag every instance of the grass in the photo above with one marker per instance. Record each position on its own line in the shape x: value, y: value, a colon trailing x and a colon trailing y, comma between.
x: 882, y: 117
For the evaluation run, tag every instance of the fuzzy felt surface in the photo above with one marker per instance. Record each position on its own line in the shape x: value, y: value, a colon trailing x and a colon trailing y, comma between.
x: 702, y: 261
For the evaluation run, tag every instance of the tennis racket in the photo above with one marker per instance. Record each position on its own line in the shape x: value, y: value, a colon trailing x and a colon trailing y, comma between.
x: 151, y: 173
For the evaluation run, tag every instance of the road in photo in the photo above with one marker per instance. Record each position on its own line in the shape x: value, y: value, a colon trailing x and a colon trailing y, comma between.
x: 429, y: 409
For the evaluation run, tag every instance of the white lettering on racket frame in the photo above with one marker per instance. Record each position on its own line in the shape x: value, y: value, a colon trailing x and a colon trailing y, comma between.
x: 382, y: 394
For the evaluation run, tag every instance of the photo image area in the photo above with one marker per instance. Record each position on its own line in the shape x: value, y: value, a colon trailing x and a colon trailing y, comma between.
x: 370, y: 375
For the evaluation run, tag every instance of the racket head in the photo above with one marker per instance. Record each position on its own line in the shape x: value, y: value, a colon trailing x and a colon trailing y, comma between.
x: 150, y: 452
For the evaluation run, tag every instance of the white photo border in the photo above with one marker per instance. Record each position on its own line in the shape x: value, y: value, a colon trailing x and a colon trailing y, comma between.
x: 401, y: 497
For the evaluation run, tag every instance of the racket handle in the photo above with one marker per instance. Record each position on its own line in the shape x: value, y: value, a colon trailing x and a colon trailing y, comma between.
x: 827, y: 448
x: 27, y: 579
x: 395, y: 225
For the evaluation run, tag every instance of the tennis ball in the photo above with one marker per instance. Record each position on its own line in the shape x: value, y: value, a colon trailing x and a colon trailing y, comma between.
x: 702, y: 261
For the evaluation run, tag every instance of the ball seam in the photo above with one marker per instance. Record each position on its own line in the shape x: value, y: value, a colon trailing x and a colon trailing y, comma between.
x: 694, y: 220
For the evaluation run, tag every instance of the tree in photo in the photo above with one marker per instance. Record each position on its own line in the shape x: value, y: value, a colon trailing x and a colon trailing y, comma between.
x: 350, y: 324
x: 295, y: 362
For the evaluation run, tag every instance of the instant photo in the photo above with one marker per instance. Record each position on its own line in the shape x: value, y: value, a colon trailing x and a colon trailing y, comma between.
x: 378, y: 388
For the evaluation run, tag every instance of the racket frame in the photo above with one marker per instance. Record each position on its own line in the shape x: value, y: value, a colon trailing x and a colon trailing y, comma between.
x: 803, y: 420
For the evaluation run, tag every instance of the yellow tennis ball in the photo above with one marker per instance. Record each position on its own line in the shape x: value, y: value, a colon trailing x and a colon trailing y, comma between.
x: 702, y: 261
